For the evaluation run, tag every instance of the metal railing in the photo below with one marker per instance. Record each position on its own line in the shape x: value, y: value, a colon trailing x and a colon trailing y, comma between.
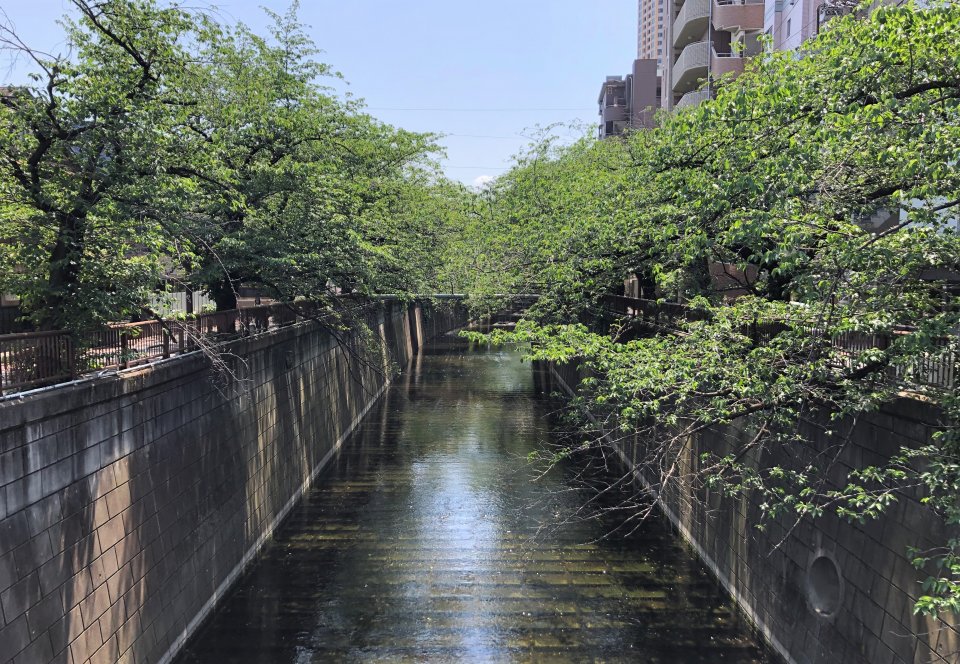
x: 933, y: 369
x: 693, y: 98
x: 35, y: 359
x: 694, y: 56
x: 692, y: 10
x: 32, y: 359
x: 827, y: 12
x: 649, y: 311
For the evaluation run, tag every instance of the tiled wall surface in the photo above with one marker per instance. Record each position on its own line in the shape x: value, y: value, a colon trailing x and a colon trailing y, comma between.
x: 129, y: 503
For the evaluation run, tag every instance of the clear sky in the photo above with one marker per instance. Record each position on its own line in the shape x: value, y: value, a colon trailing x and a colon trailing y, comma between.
x: 483, y: 73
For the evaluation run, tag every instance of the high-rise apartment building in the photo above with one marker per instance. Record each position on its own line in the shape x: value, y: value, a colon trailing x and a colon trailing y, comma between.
x: 695, y: 42
x: 706, y: 39
x: 792, y: 23
x: 651, y: 30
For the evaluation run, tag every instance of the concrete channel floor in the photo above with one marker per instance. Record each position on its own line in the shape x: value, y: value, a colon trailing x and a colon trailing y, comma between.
x: 424, y: 542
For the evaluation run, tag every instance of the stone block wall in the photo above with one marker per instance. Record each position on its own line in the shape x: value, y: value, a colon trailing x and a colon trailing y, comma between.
x: 826, y: 591
x: 130, y: 503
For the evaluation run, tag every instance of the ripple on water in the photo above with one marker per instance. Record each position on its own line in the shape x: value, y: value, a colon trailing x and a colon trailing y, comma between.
x: 417, y: 545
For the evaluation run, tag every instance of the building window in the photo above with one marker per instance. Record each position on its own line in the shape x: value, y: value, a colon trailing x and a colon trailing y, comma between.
x: 788, y: 27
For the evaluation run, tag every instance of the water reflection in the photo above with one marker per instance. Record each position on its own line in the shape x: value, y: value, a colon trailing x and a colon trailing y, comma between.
x: 416, y: 546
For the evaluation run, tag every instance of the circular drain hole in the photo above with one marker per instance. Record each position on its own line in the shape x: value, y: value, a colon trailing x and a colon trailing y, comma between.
x: 824, y: 586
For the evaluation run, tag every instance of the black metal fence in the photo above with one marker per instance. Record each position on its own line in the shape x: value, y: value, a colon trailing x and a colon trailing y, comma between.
x: 34, y: 359
x: 935, y: 368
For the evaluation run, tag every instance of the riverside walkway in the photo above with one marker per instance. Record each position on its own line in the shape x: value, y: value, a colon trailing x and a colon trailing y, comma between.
x: 423, y: 542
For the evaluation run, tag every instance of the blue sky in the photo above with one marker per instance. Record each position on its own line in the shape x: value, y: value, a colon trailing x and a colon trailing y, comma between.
x: 483, y: 73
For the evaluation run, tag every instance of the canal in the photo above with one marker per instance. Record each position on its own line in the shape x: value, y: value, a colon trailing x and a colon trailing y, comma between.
x: 424, y: 541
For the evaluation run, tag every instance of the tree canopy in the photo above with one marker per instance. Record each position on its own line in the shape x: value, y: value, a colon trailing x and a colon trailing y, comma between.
x: 822, y: 186
x: 167, y: 150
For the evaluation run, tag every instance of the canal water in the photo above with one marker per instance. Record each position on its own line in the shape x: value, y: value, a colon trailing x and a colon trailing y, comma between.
x: 425, y: 541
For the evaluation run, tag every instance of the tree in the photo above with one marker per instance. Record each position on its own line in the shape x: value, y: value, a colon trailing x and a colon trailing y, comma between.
x: 170, y: 147
x: 302, y: 195
x: 778, y: 180
x: 559, y: 222
x: 83, y: 156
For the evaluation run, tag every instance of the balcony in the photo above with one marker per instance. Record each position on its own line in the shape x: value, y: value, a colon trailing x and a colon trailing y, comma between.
x: 733, y: 15
x: 691, y: 67
x: 736, y: 15
x: 697, y: 61
x: 616, y: 113
x: 693, y: 98
x: 725, y: 63
x: 691, y: 22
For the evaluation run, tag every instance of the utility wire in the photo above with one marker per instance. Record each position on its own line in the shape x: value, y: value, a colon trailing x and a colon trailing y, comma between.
x: 473, y: 110
x: 510, y: 138
x: 486, y: 168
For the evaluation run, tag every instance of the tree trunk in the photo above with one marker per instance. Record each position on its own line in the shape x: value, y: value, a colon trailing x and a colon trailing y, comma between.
x: 224, y: 294
x: 65, y: 263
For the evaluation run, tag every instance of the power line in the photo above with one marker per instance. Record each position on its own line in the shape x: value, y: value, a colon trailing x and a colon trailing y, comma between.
x: 485, y: 168
x: 511, y: 138
x: 475, y: 110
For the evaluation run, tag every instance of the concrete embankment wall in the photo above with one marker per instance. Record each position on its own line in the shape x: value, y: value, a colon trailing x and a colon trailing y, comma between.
x: 130, y: 503
x: 826, y: 591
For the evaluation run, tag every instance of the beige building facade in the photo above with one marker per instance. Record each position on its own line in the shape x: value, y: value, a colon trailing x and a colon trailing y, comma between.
x: 708, y: 39
x: 629, y: 102
x: 695, y: 43
x: 651, y: 30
